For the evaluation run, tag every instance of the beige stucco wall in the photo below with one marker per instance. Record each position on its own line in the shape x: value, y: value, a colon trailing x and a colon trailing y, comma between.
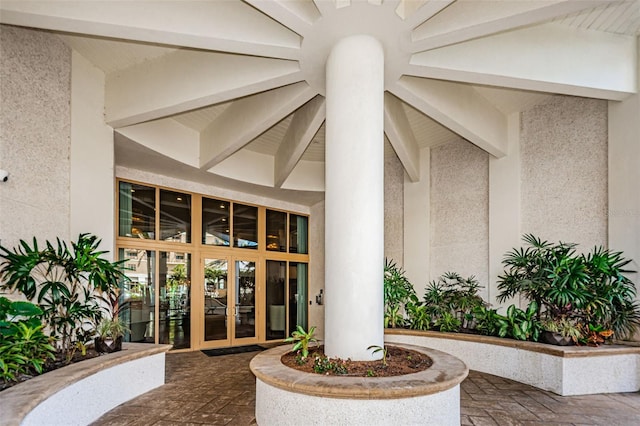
x: 35, y: 88
x: 564, y: 171
x: 393, y: 206
x: 459, y: 199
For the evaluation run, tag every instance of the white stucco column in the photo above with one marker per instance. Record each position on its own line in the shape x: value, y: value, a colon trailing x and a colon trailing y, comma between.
x: 354, y: 198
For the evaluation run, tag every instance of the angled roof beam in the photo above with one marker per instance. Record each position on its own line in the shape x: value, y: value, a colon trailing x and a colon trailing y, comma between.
x: 546, y: 58
x: 413, y: 18
x: 398, y: 130
x: 184, y: 80
x: 459, y: 108
x: 161, y: 136
x: 298, y: 16
x: 246, y: 119
x: 303, y: 127
x: 227, y: 26
x: 474, y: 19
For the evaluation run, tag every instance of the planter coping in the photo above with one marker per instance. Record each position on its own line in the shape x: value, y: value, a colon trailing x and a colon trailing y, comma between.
x: 445, y: 373
x: 19, y: 400
x: 544, y: 348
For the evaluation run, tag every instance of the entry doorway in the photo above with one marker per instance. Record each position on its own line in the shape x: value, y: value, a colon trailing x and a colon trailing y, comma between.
x: 229, y: 301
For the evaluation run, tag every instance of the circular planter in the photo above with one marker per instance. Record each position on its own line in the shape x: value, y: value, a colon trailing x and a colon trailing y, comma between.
x: 285, y: 396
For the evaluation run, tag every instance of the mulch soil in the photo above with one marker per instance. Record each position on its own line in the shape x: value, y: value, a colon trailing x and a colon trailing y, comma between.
x: 400, y: 361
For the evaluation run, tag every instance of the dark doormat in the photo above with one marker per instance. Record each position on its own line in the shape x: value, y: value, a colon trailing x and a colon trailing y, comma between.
x: 232, y: 350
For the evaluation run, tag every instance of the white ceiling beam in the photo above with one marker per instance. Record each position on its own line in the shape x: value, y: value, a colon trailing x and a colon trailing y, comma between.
x: 185, y: 80
x: 227, y: 26
x: 298, y: 16
x: 468, y: 20
x: 413, y: 18
x: 546, y: 58
x: 304, y: 125
x: 459, y: 108
x: 248, y: 118
x: 401, y: 137
x: 167, y: 137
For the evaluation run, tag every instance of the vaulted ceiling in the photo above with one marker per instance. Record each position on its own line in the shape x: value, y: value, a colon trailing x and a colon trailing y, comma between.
x: 235, y: 89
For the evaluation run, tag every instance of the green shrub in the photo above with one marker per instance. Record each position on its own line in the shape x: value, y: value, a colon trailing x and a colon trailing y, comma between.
x: 590, y: 289
x: 24, y: 348
x: 397, y: 292
x: 73, y: 286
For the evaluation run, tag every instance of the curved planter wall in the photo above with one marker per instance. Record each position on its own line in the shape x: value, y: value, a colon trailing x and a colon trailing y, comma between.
x: 80, y: 393
x: 565, y: 370
x: 285, y: 396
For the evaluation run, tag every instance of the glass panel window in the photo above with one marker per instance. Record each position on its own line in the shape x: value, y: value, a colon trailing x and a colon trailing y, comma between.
x: 276, y: 314
x: 298, y: 276
x: 215, y: 299
x: 276, y: 231
x: 175, y: 216
x: 137, y: 215
x: 215, y: 222
x: 175, y: 299
x: 245, y: 226
x: 298, y: 234
x: 137, y: 294
x: 245, y: 309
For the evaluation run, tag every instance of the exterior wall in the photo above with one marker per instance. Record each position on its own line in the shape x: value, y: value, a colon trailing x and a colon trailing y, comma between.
x: 459, y: 210
x: 92, y: 156
x: 35, y: 131
x: 393, y: 206
x: 564, y: 171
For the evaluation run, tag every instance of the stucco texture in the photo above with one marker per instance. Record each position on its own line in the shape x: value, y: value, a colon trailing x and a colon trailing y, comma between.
x: 35, y: 88
x: 564, y: 171
x: 393, y: 206
x: 460, y: 210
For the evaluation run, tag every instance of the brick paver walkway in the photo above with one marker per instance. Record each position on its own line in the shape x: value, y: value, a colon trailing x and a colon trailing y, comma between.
x: 221, y: 391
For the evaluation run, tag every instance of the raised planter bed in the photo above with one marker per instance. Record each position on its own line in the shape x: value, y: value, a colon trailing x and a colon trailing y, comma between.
x: 284, y: 396
x: 564, y: 370
x: 80, y: 393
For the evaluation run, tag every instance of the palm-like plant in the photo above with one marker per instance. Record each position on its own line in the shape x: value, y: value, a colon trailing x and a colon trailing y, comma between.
x: 397, y: 292
x: 302, y: 339
x: 73, y: 286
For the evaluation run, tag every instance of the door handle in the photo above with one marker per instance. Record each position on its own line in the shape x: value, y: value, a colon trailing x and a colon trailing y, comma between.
x: 235, y: 308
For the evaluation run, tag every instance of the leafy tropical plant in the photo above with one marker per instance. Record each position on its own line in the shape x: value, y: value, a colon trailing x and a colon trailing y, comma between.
x: 382, y: 349
x: 72, y: 286
x: 590, y: 288
x: 450, y: 301
x: 23, y: 345
x: 563, y: 326
x: 397, y: 292
x: 521, y: 324
x: 301, y: 340
x: 488, y: 321
x: 111, y: 328
x: 418, y: 314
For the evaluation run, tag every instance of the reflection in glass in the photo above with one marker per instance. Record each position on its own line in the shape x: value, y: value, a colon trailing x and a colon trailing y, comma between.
x: 215, y: 299
x: 175, y: 216
x: 137, y: 215
x: 276, y: 317
x: 298, y: 235
x: 245, y: 226
x: 215, y: 222
x: 174, y: 293
x: 137, y: 295
x: 297, y: 295
x: 245, y: 309
x: 276, y: 231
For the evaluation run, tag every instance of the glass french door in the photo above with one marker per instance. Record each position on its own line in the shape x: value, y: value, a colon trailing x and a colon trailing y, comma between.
x: 229, y: 301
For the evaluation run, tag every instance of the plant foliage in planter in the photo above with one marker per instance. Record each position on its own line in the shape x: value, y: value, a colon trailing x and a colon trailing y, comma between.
x: 24, y: 348
x: 397, y: 292
x: 590, y: 289
x: 72, y: 285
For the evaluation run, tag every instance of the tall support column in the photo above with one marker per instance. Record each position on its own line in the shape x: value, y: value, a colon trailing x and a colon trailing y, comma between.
x: 354, y: 198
